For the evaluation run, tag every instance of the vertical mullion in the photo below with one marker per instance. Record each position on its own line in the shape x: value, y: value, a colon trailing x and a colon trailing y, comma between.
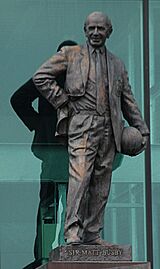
x: 148, y: 182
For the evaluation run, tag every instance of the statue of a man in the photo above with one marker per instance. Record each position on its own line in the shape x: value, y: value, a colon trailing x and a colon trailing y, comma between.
x: 96, y: 95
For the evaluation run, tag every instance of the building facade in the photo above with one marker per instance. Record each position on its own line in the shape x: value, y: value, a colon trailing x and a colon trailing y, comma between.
x: 30, y: 33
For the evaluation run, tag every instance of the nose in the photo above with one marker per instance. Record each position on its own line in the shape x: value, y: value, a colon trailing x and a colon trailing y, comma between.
x: 95, y: 31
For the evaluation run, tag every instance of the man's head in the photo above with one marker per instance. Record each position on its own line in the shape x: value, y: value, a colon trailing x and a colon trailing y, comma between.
x: 97, y: 28
x: 66, y: 43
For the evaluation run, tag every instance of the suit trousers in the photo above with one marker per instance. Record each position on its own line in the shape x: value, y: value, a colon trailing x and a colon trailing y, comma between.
x: 92, y: 149
x: 46, y: 197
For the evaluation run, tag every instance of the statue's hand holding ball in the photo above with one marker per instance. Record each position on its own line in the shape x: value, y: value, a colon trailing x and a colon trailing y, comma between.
x: 132, y: 141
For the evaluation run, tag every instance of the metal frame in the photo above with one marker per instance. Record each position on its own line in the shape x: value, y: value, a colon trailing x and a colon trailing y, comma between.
x: 148, y: 180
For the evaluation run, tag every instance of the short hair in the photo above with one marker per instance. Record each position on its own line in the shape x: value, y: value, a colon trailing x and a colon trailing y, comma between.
x: 66, y: 43
x: 108, y: 22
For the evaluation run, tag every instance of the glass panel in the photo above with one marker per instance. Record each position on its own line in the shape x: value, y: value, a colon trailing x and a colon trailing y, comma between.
x: 30, y: 33
x: 155, y: 122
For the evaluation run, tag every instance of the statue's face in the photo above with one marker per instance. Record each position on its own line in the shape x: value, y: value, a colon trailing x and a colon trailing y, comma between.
x: 96, y: 30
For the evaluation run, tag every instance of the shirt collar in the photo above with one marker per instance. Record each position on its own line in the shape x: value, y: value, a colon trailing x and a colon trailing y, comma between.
x: 92, y: 50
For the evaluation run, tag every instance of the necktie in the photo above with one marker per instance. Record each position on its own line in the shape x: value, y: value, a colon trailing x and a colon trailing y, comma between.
x: 100, y: 85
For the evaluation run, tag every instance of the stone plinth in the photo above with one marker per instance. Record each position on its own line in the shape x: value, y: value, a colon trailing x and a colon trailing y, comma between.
x: 96, y: 265
x: 91, y: 253
x: 93, y: 257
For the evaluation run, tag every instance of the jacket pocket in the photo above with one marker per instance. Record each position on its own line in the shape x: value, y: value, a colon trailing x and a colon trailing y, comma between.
x: 74, y: 84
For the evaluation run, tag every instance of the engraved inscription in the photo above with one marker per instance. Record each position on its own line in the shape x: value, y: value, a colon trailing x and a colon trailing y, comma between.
x: 95, y: 252
x: 92, y: 253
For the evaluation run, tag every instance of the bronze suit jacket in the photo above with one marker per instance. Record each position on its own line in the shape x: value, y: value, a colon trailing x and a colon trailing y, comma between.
x: 75, y: 62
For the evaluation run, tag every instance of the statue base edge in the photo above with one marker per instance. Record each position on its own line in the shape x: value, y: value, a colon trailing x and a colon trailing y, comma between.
x: 95, y: 265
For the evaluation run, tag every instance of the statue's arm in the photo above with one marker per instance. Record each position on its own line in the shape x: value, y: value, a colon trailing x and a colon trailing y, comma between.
x: 45, y: 79
x: 130, y: 109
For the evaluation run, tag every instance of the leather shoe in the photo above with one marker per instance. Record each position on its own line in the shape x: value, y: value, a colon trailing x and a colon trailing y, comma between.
x: 72, y: 237
x: 73, y: 241
x: 98, y: 241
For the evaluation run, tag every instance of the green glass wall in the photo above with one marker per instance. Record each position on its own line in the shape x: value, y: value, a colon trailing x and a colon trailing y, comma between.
x: 30, y: 33
x: 154, y: 24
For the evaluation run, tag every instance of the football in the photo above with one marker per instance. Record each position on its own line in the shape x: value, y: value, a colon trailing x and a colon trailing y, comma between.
x: 131, y: 141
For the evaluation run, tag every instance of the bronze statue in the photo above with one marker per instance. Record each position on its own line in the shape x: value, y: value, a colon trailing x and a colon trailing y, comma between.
x: 90, y: 108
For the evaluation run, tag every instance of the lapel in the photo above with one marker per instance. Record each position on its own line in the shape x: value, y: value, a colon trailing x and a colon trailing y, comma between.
x: 84, y: 64
x: 110, y: 67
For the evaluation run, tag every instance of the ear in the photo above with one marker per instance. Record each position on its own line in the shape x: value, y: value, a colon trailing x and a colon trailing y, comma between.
x: 109, y: 31
x: 85, y: 31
